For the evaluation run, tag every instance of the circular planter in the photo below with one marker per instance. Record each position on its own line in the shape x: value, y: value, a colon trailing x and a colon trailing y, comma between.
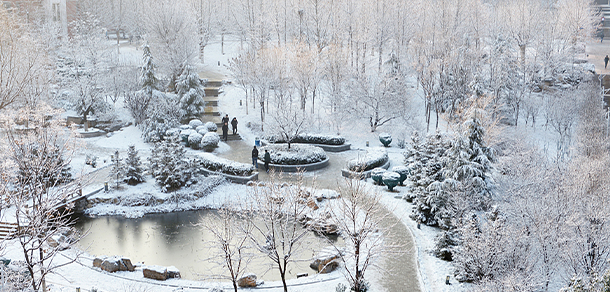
x: 390, y: 179
x: 376, y: 175
x: 297, y: 168
x: 385, y: 139
x: 403, y: 171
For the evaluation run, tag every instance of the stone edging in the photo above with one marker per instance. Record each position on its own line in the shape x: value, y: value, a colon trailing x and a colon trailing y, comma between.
x: 91, y: 134
x: 299, y: 167
x: 333, y: 148
x: 233, y: 178
x: 325, y: 147
x: 364, y: 175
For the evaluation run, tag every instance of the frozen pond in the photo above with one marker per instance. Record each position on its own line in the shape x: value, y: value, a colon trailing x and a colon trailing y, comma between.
x: 174, y: 239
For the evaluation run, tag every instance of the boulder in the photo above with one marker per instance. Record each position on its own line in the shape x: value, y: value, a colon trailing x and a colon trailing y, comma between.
x: 327, y: 260
x: 110, y: 266
x: 328, y: 267
x: 312, y: 204
x: 113, y: 264
x: 248, y: 280
x: 155, y: 272
x: 126, y: 265
x: 173, y: 272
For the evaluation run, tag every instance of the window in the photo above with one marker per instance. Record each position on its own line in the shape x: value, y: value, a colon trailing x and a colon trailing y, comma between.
x: 56, y: 12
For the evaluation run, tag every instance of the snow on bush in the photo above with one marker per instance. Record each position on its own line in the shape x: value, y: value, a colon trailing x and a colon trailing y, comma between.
x: 214, y: 163
x: 312, y: 139
x: 184, y: 134
x: 195, y: 140
x: 201, y: 130
x: 212, y: 127
x: 195, y: 123
x: 210, y: 141
x: 375, y: 157
x: 172, y: 132
x: 185, y: 127
x: 296, y: 155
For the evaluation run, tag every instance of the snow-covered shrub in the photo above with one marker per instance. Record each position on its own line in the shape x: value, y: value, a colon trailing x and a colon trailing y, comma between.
x: 296, y: 155
x: 163, y: 116
x: 375, y: 157
x: 311, y: 139
x: 173, y: 132
x: 201, y: 129
x: 184, y: 134
x: 212, y: 127
x: 169, y: 166
x: 212, y: 162
x: 185, y: 127
x: 133, y: 167
x: 194, y: 123
x: 210, y: 141
x: 194, y: 140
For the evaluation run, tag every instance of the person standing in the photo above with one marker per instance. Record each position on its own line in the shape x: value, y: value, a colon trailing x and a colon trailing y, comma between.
x: 225, y: 119
x: 225, y: 131
x: 267, y: 160
x: 255, y: 157
x: 606, y: 59
x: 234, y: 125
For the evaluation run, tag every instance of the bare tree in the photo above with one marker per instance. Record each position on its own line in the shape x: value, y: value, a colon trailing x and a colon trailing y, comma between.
x: 44, y: 149
x: 380, y: 99
x: 170, y: 26
x: 21, y: 58
x: 358, y: 217
x: 289, y: 123
x: 276, y: 232
x: 229, y: 242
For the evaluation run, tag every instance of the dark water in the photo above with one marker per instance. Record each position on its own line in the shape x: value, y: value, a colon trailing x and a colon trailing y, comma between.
x: 174, y: 239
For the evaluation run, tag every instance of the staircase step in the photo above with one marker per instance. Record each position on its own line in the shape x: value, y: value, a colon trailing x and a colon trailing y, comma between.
x: 214, y: 83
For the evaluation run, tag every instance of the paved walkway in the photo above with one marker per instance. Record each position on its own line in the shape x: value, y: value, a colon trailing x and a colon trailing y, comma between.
x: 596, y: 52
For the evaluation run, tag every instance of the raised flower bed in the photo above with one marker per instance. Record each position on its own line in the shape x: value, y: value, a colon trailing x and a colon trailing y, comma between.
x: 297, y: 158
x: 361, y: 167
x: 234, y: 171
x: 330, y: 143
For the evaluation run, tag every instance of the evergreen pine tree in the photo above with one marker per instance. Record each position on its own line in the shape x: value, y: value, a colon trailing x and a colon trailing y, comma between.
x: 190, y: 94
x: 148, y: 79
x: 468, y: 166
x: 169, y: 166
x: 133, y: 167
x: 426, y: 163
x: 118, y: 169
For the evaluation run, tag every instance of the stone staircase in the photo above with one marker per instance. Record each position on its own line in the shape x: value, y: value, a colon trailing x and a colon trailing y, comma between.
x: 7, y: 230
x: 212, y: 90
x: 604, y: 9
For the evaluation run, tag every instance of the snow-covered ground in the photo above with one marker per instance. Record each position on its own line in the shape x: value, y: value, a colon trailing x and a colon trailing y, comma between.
x: 432, y: 271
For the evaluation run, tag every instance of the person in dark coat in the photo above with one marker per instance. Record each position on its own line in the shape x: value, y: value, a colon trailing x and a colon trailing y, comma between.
x: 225, y: 131
x: 606, y: 59
x: 234, y: 125
x: 225, y: 119
x: 255, y: 157
x: 267, y: 160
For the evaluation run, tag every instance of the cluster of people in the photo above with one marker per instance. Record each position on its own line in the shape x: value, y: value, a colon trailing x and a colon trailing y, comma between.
x: 267, y: 158
x: 225, y: 135
x: 225, y: 127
